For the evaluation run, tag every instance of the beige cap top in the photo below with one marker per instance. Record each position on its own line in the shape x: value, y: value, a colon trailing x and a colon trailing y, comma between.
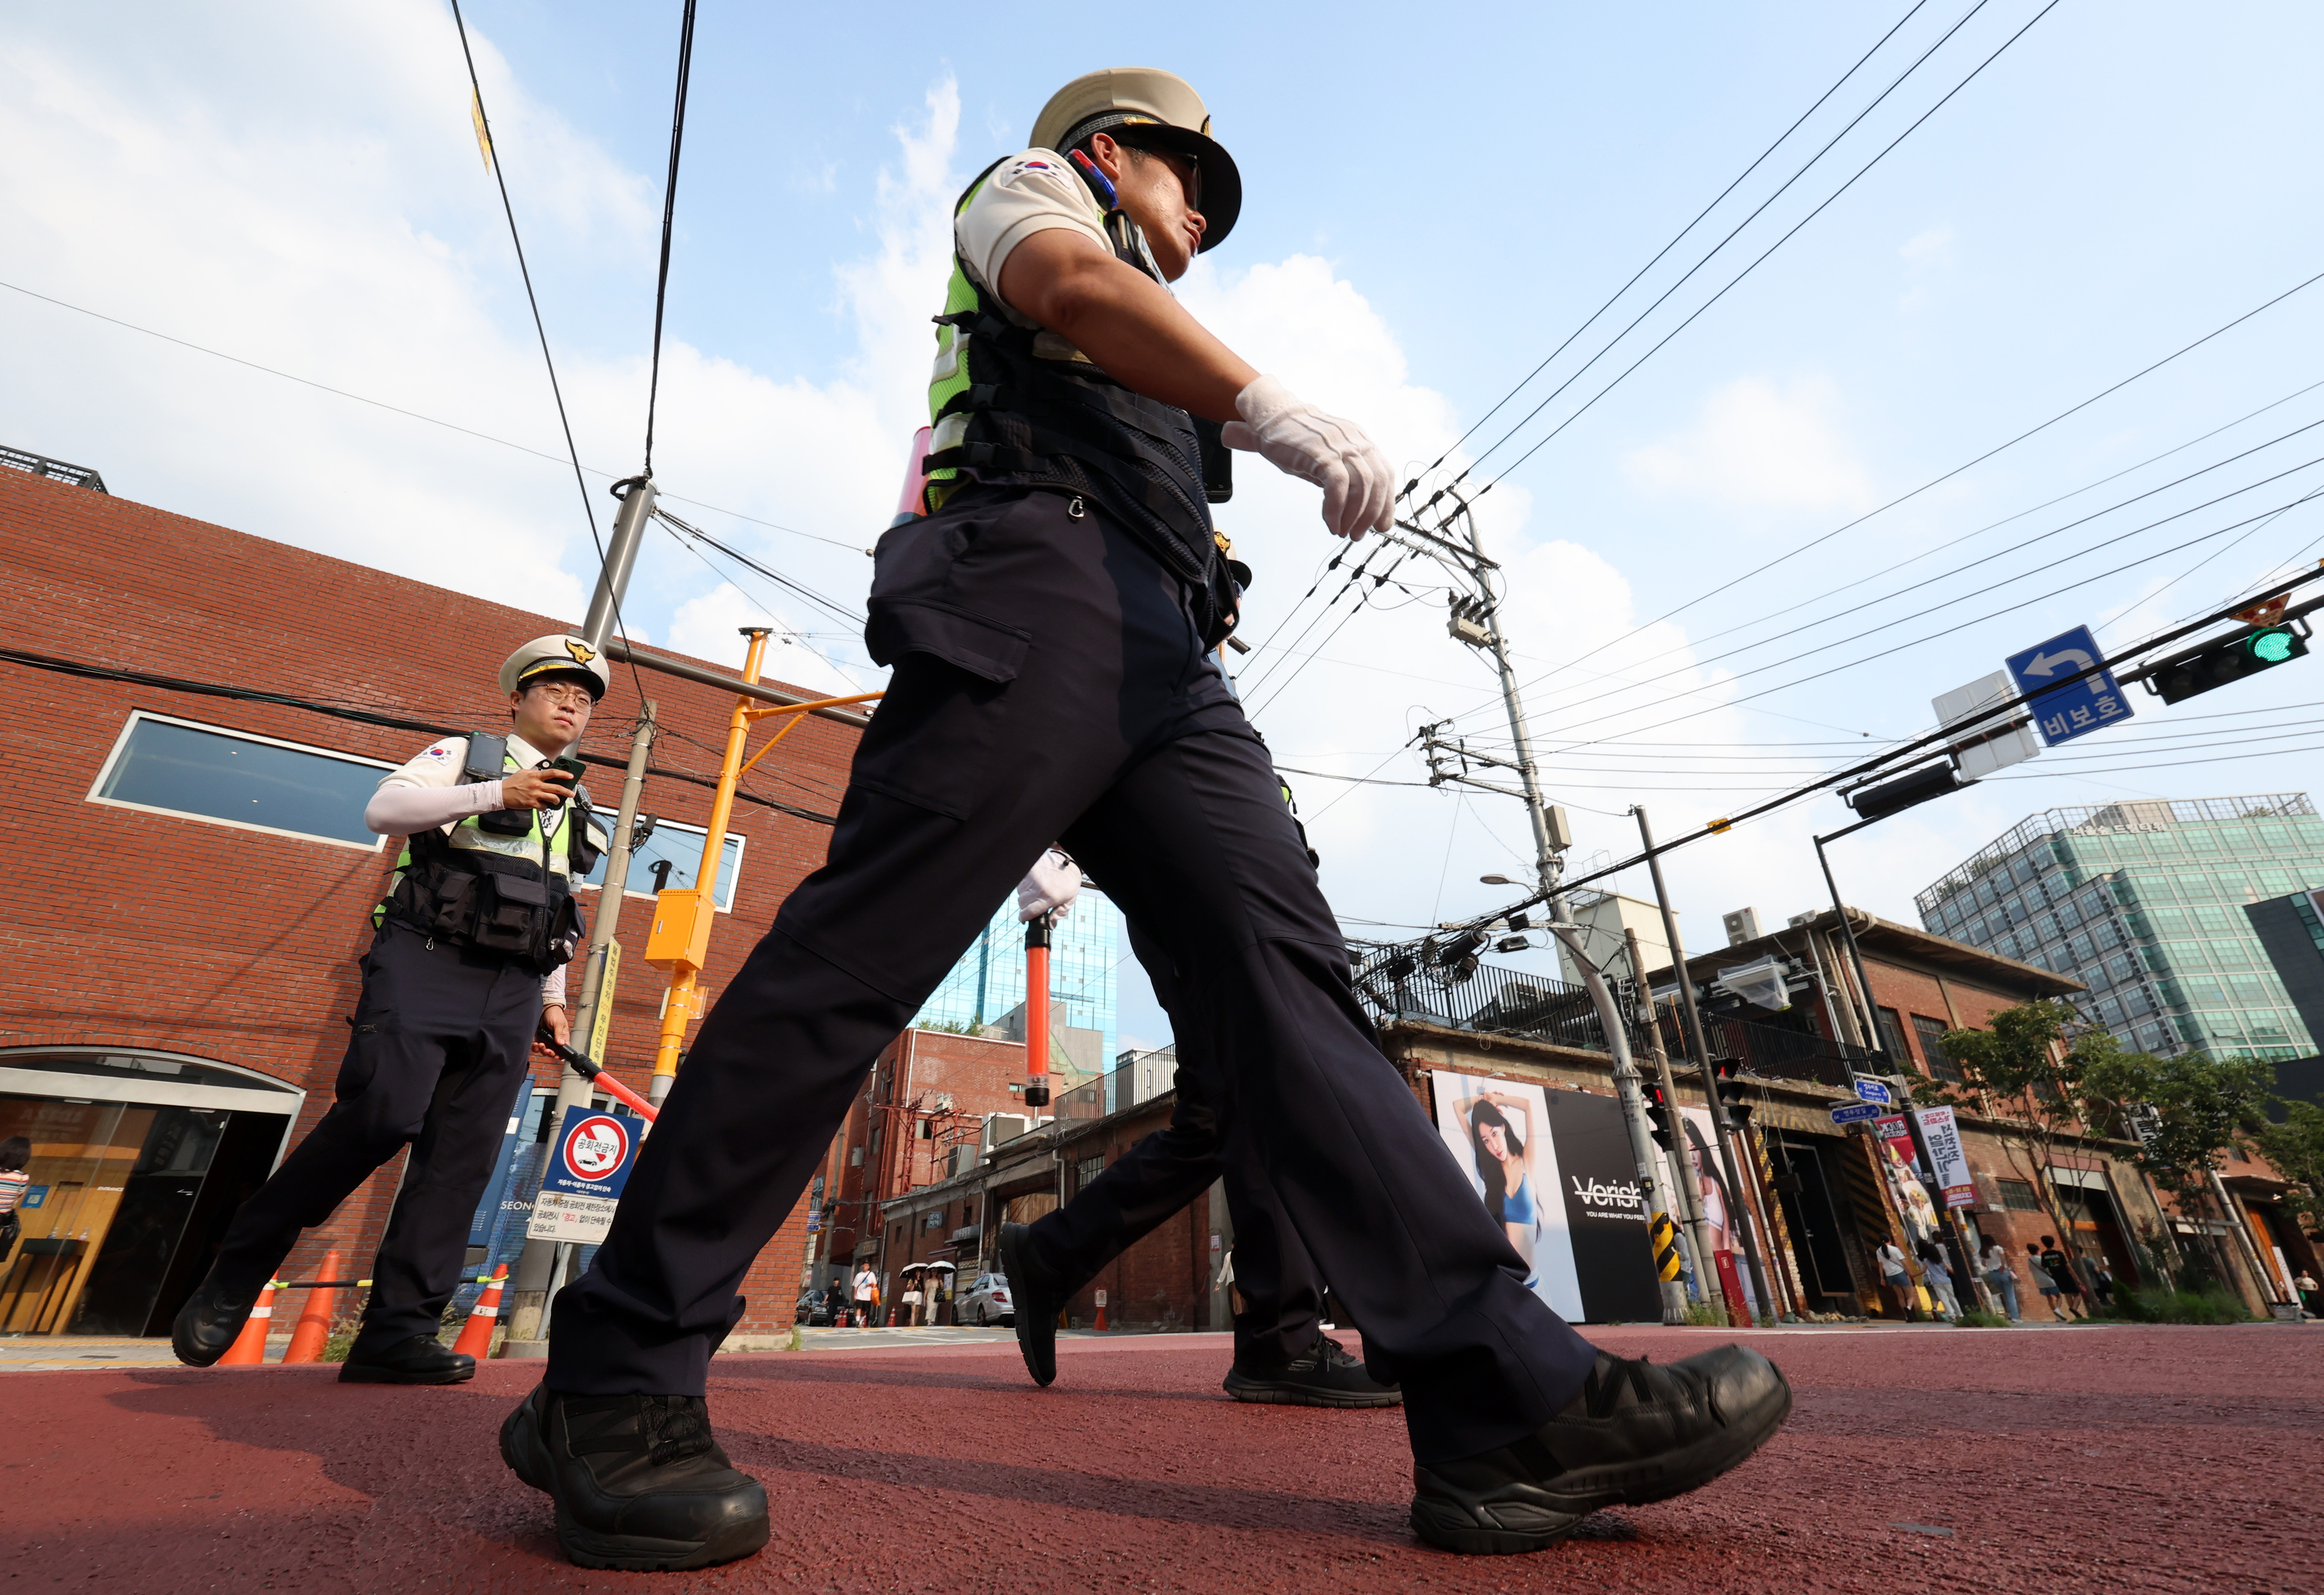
x: 558, y: 653
x: 1158, y: 109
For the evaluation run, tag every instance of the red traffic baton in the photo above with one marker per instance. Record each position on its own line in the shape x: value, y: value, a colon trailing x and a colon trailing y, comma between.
x: 581, y: 1064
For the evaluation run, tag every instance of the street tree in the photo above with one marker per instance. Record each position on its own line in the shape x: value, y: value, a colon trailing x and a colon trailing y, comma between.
x: 2296, y: 1149
x: 2025, y: 1075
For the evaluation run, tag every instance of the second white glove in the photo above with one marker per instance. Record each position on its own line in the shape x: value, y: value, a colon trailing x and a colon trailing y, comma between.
x: 1051, y: 887
x: 1300, y: 441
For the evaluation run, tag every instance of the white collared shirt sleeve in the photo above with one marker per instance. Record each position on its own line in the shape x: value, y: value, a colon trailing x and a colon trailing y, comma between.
x: 1028, y: 193
x: 427, y: 791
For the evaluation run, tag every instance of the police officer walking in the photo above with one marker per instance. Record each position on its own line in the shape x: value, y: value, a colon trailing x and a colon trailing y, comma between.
x: 1282, y: 1357
x: 1049, y: 621
x: 467, y: 960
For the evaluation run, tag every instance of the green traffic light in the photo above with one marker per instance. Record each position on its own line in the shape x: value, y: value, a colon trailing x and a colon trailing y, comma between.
x: 2272, y: 646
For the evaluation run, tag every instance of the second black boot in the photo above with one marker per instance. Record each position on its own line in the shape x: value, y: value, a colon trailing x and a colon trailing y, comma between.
x: 1325, y: 1375
x: 1634, y: 1434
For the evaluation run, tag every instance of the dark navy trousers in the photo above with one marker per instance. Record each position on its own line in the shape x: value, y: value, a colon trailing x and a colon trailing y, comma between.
x: 1139, y: 1191
x: 442, y: 1043
x: 1049, y: 686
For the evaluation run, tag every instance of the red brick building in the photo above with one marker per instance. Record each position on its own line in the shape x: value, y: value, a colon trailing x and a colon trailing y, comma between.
x: 172, y: 983
x: 920, y: 1119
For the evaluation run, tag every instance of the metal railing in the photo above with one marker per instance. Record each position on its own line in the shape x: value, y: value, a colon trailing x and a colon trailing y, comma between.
x: 34, y: 465
x: 1402, y: 982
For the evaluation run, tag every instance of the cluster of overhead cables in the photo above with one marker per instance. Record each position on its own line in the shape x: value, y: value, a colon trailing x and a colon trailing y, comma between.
x: 1599, y: 345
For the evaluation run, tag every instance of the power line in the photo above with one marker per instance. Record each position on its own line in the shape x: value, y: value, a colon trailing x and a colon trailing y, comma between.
x: 1504, y: 475
x: 1975, y: 591
x: 1715, y: 249
x: 1818, y: 541
x: 1947, y: 631
x: 669, y: 216
x: 1674, y: 244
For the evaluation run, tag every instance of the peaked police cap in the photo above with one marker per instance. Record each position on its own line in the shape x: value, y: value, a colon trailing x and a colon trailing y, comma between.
x: 1157, y: 109
x: 558, y: 654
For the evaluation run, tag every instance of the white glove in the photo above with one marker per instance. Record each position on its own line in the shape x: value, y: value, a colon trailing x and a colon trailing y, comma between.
x: 1052, y: 887
x: 1300, y: 441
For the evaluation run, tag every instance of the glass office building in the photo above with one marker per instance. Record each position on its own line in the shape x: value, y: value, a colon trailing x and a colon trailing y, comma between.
x: 989, y: 981
x: 2144, y: 901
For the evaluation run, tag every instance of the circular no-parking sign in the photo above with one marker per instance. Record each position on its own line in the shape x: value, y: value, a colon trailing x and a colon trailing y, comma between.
x: 595, y: 1147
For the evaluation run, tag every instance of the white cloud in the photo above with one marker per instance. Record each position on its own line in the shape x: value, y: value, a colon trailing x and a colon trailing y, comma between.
x: 1760, y: 446
x: 709, y: 627
x: 1932, y: 248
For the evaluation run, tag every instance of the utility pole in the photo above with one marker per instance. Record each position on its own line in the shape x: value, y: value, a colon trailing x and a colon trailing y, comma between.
x: 1739, y: 1199
x: 1690, y: 1197
x: 1476, y: 622
x: 620, y: 557
x: 536, y: 1265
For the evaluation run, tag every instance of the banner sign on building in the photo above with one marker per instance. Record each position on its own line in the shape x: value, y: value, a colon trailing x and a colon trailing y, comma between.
x: 1894, y: 1139
x: 1947, y: 1160
x: 589, y: 1162
x: 1554, y: 1169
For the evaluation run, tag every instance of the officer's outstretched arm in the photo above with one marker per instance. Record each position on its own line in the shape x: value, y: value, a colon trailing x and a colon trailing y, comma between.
x: 1143, y: 338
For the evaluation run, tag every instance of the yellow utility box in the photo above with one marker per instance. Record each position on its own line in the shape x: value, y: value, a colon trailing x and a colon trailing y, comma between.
x: 681, y: 929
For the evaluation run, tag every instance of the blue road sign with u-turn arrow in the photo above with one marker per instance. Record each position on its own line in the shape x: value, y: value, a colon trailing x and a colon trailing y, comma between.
x: 2080, y: 707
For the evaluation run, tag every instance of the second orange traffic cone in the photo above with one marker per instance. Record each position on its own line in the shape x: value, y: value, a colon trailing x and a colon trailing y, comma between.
x: 250, y: 1346
x: 314, y: 1331
x: 476, y: 1335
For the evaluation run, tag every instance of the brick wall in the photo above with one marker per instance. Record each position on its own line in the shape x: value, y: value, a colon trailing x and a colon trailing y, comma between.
x: 149, y: 930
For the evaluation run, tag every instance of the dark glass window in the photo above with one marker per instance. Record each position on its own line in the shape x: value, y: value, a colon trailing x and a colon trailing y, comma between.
x: 1931, y: 1032
x: 2017, y: 1196
x: 223, y: 775
x: 682, y: 845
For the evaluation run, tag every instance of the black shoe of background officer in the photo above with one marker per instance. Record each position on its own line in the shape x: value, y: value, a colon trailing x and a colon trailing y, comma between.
x: 1327, y: 1376
x: 1635, y: 1434
x: 639, y: 1482
x: 1038, y: 1299
x: 207, y: 1325
x: 423, y: 1359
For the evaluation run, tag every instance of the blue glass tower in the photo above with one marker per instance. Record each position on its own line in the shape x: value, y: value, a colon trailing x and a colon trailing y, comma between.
x: 989, y: 981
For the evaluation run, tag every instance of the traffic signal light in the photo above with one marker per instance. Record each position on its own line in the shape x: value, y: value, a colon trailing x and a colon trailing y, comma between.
x: 1730, y: 1089
x: 1887, y: 798
x: 1660, y: 1117
x: 2219, y: 664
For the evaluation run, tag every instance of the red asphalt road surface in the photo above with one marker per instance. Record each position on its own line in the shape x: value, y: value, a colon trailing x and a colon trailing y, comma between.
x: 2106, y: 1458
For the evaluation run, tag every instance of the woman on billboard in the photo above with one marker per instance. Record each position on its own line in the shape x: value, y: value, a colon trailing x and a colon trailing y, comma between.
x: 1504, y: 1154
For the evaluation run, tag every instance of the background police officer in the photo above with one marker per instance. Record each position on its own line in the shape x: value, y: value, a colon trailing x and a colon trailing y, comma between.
x: 1282, y: 1357
x: 1048, y: 623
x: 465, y: 962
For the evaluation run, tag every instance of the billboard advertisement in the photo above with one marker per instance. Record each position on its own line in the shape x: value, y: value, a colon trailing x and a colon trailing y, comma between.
x: 1554, y: 1169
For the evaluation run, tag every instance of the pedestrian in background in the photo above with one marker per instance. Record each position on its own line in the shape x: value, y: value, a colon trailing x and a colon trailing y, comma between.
x: 834, y: 1297
x: 911, y: 1306
x: 2102, y: 1282
x: 14, y: 1153
x: 2306, y: 1286
x: 2043, y: 1282
x: 2061, y: 1268
x: 867, y: 1298
x: 1939, y: 1278
x: 1892, y: 1268
x: 1999, y: 1278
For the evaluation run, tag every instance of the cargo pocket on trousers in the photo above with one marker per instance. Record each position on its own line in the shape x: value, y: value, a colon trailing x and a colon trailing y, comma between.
x: 361, y: 1064
x: 934, y: 736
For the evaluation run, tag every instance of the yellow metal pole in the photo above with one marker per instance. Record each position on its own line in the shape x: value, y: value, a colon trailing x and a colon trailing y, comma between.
x: 683, y: 915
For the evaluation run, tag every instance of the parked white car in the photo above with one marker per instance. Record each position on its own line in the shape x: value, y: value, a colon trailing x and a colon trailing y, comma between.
x: 986, y: 1302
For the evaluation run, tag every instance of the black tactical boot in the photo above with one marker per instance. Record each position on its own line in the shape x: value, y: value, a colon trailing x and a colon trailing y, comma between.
x: 1635, y: 1434
x: 423, y: 1359
x: 640, y: 1485
x: 1039, y: 1298
x: 1324, y: 1376
x: 207, y: 1326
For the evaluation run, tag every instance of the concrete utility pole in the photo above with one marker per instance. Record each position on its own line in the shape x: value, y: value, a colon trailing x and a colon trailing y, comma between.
x: 536, y: 1266
x: 1477, y: 623
x: 1690, y: 1198
x: 1739, y: 1198
x: 620, y: 557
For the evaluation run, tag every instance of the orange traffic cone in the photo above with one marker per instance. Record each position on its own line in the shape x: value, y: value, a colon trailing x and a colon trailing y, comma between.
x: 476, y: 1334
x: 314, y: 1331
x: 250, y: 1345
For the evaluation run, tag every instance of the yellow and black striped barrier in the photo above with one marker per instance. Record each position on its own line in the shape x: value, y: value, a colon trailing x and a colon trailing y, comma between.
x: 1665, y: 1242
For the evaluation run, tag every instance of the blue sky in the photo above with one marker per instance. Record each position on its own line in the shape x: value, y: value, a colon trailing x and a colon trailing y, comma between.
x: 1433, y: 201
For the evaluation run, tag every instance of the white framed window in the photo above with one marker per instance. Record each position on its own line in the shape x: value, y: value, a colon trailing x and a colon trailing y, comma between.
x: 681, y: 844
x: 161, y: 764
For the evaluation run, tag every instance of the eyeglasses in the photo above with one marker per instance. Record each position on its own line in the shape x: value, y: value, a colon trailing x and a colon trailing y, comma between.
x: 567, y: 697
